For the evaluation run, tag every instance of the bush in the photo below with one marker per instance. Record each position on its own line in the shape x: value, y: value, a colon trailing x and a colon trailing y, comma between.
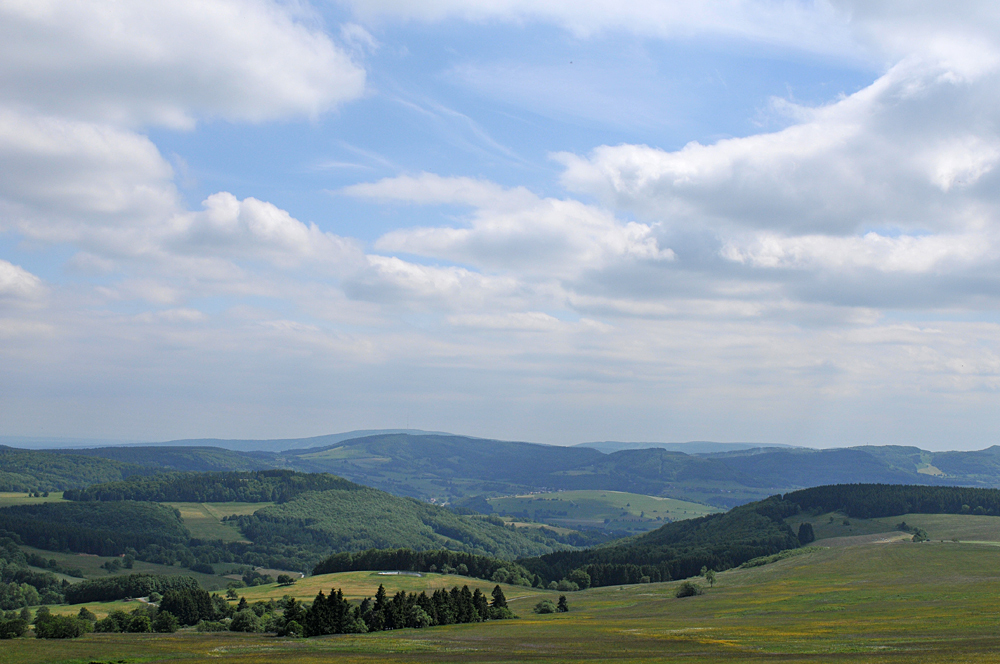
x: 13, y: 628
x: 567, y: 586
x: 212, y: 626
x: 246, y: 621
x: 545, y: 606
x: 688, y: 589
x: 61, y: 627
x: 165, y: 623
x: 203, y: 568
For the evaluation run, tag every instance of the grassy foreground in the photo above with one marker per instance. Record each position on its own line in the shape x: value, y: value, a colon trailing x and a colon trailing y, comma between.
x: 895, y: 602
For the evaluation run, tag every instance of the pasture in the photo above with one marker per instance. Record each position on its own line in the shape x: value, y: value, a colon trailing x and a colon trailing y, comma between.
x: 204, y: 520
x: 8, y: 498
x: 616, y: 510
x: 896, y: 602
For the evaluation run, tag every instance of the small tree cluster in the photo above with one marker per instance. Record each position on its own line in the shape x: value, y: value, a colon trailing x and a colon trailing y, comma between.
x: 333, y: 614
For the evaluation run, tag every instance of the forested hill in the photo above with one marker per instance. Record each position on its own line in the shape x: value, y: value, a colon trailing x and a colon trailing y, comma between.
x: 721, y: 541
x: 197, y: 459
x: 261, y: 486
x: 25, y: 470
x: 457, y: 468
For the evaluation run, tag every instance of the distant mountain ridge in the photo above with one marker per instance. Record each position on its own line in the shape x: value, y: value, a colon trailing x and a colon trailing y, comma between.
x: 452, y: 469
x: 691, y: 447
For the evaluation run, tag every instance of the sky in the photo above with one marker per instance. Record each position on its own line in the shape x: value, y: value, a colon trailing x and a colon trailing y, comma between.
x: 553, y: 221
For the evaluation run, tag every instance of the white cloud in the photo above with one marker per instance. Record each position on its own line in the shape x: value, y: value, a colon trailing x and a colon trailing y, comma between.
x: 513, y: 229
x: 811, y: 26
x: 19, y: 285
x: 256, y: 229
x: 169, y: 63
x: 93, y: 185
x: 914, y: 150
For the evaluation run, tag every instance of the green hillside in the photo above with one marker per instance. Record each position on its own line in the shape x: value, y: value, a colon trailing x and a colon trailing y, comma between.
x: 27, y: 470
x: 363, y: 518
x: 902, y: 603
x: 617, y: 511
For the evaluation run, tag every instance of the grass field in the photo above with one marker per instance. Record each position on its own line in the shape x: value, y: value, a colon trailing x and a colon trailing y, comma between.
x: 903, y: 602
x: 616, y: 510
x: 21, y: 498
x: 964, y: 527
x: 358, y: 585
x: 91, y: 568
x: 204, y: 520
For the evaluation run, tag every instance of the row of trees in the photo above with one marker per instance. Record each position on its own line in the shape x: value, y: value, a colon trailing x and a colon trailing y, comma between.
x: 868, y: 501
x: 333, y: 614
x: 262, y: 486
x: 113, y: 588
x: 466, y: 564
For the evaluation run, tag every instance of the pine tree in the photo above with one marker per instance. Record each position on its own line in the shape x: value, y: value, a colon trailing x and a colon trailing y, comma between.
x: 499, y: 601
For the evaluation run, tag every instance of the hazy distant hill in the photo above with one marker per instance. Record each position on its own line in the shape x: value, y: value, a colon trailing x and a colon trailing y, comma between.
x: 452, y: 469
x: 283, y: 444
x: 692, y: 447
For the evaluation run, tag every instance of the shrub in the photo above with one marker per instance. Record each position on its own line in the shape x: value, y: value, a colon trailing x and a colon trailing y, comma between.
x: 165, y: 623
x: 212, y: 626
x: 545, y: 606
x: 60, y: 627
x: 688, y: 589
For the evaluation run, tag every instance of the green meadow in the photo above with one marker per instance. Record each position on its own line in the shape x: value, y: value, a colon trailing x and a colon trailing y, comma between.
x: 873, y: 602
x: 22, y: 498
x: 617, y: 510
x: 204, y: 520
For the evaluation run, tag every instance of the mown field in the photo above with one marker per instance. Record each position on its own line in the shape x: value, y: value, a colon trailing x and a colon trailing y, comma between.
x: 91, y: 568
x: 616, y: 510
x: 22, y: 498
x: 961, y: 527
x: 204, y: 520
x: 897, y: 602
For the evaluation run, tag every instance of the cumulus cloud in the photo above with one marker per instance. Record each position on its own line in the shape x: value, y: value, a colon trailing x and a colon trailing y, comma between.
x: 169, y: 63
x: 19, y: 285
x: 914, y: 150
x: 513, y: 229
x: 256, y: 229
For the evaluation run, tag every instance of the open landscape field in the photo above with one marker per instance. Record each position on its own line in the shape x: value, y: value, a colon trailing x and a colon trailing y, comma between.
x: 617, y: 510
x: 961, y: 527
x: 22, y: 498
x: 898, y: 602
x: 91, y: 568
x: 204, y: 520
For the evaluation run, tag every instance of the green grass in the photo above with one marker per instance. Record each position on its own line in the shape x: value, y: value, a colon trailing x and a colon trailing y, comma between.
x: 91, y: 568
x: 591, y: 508
x: 900, y: 603
x: 964, y: 527
x: 358, y: 585
x: 204, y: 520
x: 8, y: 498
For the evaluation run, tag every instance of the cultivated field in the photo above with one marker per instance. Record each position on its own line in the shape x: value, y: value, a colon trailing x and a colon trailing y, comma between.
x: 617, y: 510
x: 22, y: 498
x: 204, y: 520
x: 897, y: 602
x: 91, y: 568
x: 961, y: 527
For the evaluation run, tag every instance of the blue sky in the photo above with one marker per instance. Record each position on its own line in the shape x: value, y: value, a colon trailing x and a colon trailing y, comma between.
x: 548, y: 221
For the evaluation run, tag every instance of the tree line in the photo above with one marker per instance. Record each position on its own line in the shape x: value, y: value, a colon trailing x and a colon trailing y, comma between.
x: 869, y: 501
x: 443, y: 561
x: 262, y: 486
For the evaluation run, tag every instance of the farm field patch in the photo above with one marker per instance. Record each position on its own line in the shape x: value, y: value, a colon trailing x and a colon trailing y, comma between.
x: 899, y: 602
x: 616, y: 510
x: 205, y: 520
